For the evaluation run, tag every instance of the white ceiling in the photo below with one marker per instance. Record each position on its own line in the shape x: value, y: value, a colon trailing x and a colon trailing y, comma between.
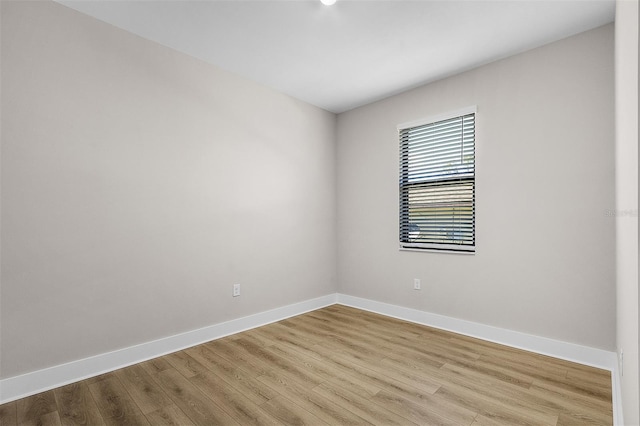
x: 356, y: 51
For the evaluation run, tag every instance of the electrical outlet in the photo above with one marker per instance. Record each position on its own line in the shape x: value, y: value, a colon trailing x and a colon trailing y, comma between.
x: 416, y: 284
x: 236, y: 290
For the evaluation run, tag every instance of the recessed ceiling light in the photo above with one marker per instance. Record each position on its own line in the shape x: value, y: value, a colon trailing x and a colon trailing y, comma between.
x: 328, y: 2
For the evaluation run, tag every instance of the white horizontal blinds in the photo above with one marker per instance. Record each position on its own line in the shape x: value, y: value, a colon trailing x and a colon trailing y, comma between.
x: 437, y: 185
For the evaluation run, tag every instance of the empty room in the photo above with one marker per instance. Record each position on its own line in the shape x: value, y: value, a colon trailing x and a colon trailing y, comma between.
x: 319, y: 212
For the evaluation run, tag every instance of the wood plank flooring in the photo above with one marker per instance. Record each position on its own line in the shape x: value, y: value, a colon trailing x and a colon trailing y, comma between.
x: 333, y: 366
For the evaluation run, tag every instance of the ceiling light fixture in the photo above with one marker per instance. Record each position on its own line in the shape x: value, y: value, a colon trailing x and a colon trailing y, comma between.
x: 328, y: 2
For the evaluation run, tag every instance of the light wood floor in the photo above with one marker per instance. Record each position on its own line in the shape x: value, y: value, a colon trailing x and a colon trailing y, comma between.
x: 335, y: 366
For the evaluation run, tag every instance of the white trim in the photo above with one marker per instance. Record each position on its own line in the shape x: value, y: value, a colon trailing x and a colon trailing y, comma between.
x: 568, y: 351
x: 440, y: 117
x: 17, y: 387
x: 431, y: 250
x: 616, y: 394
x: 555, y: 348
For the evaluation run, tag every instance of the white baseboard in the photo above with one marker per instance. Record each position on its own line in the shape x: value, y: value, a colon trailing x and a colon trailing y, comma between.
x: 616, y: 394
x: 17, y: 387
x: 568, y: 351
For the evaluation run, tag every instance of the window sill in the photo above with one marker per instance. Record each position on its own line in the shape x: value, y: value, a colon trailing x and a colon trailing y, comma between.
x: 429, y: 250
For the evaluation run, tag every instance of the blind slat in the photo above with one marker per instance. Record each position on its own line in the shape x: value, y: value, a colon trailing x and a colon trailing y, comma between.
x: 437, y: 185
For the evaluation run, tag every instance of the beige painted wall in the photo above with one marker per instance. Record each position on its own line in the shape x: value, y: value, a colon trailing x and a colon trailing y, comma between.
x: 139, y: 184
x: 626, y: 54
x: 545, y: 260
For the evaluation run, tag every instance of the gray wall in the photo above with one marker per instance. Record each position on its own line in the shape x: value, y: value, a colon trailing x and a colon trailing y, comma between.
x: 139, y: 184
x: 545, y: 261
x: 627, y: 44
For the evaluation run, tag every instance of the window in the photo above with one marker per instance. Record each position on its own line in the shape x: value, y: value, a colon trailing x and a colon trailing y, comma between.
x: 437, y: 183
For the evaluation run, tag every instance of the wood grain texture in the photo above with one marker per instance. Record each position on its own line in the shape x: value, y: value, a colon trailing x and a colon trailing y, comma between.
x: 186, y: 396
x: 8, y: 414
x: 38, y: 409
x: 333, y: 366
x: 169, y: 416
x: 288, y: 413
x: 242, y: 409
x: 142, y: 389
x: 76, y: 405
x: 115, y: 403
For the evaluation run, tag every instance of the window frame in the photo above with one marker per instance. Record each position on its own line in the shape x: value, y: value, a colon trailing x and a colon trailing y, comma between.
x: 437, y: 247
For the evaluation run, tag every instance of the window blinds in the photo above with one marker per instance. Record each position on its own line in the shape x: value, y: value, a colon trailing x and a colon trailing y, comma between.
x: 437, y: 185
